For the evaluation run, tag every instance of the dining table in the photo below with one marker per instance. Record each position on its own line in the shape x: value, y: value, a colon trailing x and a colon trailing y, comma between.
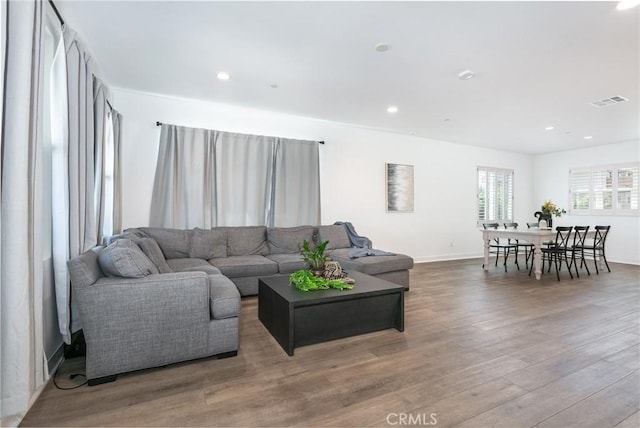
x: 537, y: 237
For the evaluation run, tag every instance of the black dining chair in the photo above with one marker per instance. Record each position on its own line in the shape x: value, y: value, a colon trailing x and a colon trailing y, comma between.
x: 496, y: 245
x: 596, y: 247
x: 579, y: 236
x: 557, y: 253
x: 526, y: 246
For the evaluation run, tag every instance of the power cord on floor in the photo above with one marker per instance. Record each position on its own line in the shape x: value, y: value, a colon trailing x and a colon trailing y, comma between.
x: 73, y: 376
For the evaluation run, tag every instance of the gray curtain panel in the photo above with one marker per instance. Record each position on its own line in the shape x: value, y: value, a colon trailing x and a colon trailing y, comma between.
x: 107, y: 134
x: 22, y: 361
x: 116, y: 119
x: 296, y: 199
x: 207, y: 178
x: 101, y: 129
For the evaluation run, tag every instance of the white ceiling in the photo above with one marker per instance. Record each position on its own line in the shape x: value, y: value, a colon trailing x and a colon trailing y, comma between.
x: 536, y: 64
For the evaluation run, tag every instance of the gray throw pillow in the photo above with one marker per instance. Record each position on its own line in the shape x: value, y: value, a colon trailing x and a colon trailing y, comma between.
x: 287, y: 240
x: 152, y: 250
x: 175, y: 243
x: 123, y: 258
x: 336, y: 235
x: 208, y: 244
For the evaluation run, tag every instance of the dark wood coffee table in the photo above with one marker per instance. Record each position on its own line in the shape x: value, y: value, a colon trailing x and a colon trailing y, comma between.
x: 297, y: 318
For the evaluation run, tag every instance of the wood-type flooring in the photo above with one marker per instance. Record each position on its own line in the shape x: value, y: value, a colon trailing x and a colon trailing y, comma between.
x: 480, y: 349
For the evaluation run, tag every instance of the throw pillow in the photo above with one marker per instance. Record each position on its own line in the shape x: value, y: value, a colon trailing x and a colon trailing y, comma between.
x: 152, y: 250
x: 123, y: 258
x: 175, y: 243
x: 208, y: 244
x: 287, y: 240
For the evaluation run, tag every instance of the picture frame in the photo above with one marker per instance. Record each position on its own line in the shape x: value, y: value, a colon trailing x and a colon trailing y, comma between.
x: 399, y: 187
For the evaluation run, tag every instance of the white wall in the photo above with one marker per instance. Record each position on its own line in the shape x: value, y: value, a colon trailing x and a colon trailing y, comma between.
x: 551, y: 172
x: 352, y: 166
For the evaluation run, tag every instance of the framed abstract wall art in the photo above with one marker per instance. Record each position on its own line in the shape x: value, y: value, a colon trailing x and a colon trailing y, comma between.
x: 399, y: 187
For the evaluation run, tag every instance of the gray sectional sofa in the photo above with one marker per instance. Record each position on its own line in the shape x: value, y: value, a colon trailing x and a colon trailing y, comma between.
x: 155, y: 296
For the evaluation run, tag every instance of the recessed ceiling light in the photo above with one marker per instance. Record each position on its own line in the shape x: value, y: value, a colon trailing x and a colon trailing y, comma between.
x: 223, y: 75
x: 588, y: 137
x: 627, y: 4
x: 392, y: 109
x: 466, y: 75
x: 549, y: 128
x: 382, y: 47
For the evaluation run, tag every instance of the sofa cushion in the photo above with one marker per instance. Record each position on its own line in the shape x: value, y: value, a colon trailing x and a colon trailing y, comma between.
x: 152, y: 250
x: 192, y: 265
x: 371, y: 265
x: 123, y: 258
x: 288, y: 263
x: 208, y: 243
x: 237, y: 266
x: 287, y: 240
x: 224, y: 298
x: 247, y: 240
x: 84, y: 269
x: 336, y: 235
x: 175, y: 243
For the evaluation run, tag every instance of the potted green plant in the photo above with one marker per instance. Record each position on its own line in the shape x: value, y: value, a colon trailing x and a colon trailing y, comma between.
x: 314, y: 257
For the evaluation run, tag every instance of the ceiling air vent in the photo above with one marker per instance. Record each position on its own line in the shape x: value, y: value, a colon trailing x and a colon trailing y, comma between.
x: 609, y: 101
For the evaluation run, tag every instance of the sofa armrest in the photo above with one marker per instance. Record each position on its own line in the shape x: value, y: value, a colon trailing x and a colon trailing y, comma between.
x: 123, y: 314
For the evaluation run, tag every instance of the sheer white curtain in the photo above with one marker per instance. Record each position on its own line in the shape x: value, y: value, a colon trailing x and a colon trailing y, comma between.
x: 86, y: 157
x: 208, y: 178
x: 22, y: 359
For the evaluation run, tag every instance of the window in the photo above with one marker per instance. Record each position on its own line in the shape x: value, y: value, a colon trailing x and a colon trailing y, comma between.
x: 604, y: 190
x: 495, y: 195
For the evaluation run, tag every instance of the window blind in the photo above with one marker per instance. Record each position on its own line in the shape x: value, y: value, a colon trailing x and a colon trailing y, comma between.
x: 608, y: 190
x: 495, y: 195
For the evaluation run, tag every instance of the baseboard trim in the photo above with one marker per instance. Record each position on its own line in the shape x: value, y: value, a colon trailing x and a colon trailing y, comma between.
x: 447, y: 257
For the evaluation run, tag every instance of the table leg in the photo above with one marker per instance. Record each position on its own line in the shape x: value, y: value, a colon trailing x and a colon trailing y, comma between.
x: 538, y: 260
x: 485, y: 266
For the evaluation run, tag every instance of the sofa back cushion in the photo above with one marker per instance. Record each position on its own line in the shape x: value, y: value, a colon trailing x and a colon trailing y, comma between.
x: 247, y: 241
x: 336, y: 235
x: 152, y: 250
x: 287, y: 240
x: 123, y: 258
x: 84, y: 268
x: 175, y: 243
x: 208, y: 244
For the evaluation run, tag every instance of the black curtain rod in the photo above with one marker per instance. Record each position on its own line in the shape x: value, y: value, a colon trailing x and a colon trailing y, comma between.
x: 160, y: 124
x: 55, y: 9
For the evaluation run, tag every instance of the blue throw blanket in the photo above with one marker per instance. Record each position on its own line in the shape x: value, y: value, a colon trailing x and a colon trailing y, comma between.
x: 354, y: 253
x: 355, y: 239
x: 361, y: 244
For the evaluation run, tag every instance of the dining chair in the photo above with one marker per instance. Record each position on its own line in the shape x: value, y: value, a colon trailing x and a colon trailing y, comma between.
x: 579, y: 236
x: 596, y: 248
x: 496, y: 245
x: 526, y: 246
x: 557, y: 252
